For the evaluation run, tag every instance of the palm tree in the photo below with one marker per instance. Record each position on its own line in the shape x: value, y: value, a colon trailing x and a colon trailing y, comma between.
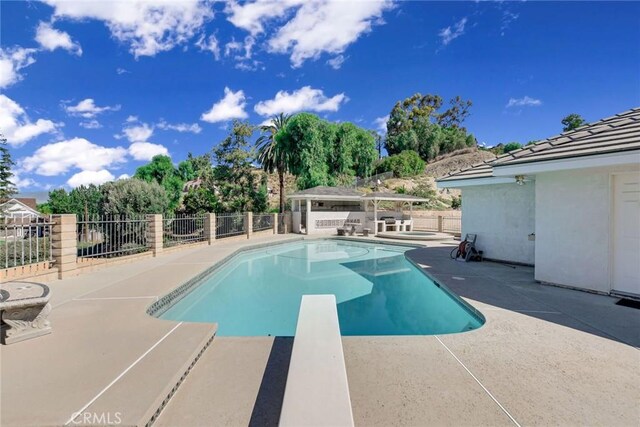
x: 272, y: 155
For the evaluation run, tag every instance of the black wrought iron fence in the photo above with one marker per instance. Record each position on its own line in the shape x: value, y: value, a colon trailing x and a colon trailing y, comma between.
x: 111, y: 236
x: 228, y: 225
x: 183, y: 229
x: 262, y: 222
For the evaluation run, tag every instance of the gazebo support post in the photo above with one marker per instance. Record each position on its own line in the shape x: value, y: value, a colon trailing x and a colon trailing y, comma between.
x: 308, y: 214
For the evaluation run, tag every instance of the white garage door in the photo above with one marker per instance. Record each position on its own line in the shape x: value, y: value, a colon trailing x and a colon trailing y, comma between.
x: 626, y: 238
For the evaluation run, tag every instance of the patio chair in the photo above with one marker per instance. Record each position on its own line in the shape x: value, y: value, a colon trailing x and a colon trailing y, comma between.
x: 467, y: 249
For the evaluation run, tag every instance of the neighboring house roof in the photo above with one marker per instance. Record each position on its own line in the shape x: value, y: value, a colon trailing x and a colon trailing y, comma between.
x: 616, y: 134
x: 26, y: 204
x: 323, y: 191
x: 194, y: 184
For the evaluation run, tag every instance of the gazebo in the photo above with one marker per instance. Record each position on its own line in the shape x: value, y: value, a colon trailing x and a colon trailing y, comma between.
x: 322, y: 209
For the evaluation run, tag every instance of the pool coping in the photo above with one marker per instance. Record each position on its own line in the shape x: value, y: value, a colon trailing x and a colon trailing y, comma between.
x: 168, y: 300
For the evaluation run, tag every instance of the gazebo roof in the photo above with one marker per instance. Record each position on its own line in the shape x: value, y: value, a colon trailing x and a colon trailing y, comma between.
x: 393, y: 197
x: 345, y: 193
x: 328, y: 193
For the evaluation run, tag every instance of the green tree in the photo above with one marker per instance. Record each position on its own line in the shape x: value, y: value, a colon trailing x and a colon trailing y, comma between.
x: 379, y: 140
x: 195, y: 167
x: 7, y: 187
x: 86, y: 201
x: 327, y: 153
x: 199, y: 201
x: 572, y: 121
x: 233, y: 176
x: 276, y: 155
x: 417, y: 124
x: 354, y: 151
x: 312, y: 138
x: 60, y: 202
x: 133, y: 196
x: 162, y: 171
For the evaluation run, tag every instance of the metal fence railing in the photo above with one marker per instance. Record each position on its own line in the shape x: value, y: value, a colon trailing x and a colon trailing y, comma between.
x: 25, y: 242
x: 182, y: 229
x: 452, y: 224
x: 111, y: 236
x: 262, y: 222
x: 228, y: 225
x: 425, y: 223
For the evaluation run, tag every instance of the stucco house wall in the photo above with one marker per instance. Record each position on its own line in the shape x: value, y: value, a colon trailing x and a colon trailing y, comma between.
x: 573, y: 214
x: 502, y: 216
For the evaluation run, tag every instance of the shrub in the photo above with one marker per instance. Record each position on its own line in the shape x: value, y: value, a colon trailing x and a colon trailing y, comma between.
x: 456, y: 202
x: 511, y: 146
x: 408, y: 163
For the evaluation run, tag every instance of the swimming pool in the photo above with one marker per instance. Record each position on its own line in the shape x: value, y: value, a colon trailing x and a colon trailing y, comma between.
x: 378, y: 291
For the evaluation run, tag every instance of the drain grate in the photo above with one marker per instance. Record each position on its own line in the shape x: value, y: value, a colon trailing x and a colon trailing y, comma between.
x: 626, y: 302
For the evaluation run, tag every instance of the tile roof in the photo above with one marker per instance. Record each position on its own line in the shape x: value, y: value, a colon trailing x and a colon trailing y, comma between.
x: 393, y: 196
x: 611, y: 135
x: 328, y: 191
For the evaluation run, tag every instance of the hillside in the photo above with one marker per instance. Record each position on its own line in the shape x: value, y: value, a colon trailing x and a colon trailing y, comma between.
x: 424, y: 183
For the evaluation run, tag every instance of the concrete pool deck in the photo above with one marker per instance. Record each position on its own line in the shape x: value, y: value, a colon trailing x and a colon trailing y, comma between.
x: 545, y: 356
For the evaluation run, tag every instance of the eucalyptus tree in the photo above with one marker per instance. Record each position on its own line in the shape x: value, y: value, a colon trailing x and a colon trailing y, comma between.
x: 275, y: 154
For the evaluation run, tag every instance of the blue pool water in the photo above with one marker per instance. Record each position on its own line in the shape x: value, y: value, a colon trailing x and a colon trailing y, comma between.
x: 377, y: 290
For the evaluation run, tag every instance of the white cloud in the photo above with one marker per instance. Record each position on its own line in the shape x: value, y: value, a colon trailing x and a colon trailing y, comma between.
x: 209, y: 44
x: 524, y: 102
x: 121, y: 71
x: 51, y: 39
x: 326, y: 26
x: 59, y: 157
x: 146, y: 151
x: 132, y: 119
x: 242, y: 53
x: 88, y: 109
x: 447, y: 35
x: 16, y: 126
x: 381, y: 124
x: 91, y: 124
x: 22, y: 183
x: 147, y: 26
x: 316, y: 26
x: 336, y: 62
x: 90, y: 177
x: 124, y: 176
x: 303, y: 99
x: 251, y: 16
x: 228, y: 108
x: 11, y: 62
x: 138, y: 133
x: 180, y: 127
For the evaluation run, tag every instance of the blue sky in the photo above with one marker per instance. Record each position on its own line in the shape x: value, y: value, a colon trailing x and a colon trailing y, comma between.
x: 91, y: 90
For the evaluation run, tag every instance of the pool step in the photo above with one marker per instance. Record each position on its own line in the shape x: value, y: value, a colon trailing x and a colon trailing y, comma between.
x: 141, y: 394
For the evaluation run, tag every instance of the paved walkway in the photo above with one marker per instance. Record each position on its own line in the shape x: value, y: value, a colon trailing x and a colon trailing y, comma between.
x: 106, y: 358
x: 545, y: 356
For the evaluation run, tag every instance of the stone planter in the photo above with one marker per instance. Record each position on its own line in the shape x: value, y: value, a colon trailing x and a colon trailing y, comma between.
x: 24, y: 309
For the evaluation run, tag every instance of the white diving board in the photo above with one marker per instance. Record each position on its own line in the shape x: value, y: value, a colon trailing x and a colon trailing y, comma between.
x: 317, y: 390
